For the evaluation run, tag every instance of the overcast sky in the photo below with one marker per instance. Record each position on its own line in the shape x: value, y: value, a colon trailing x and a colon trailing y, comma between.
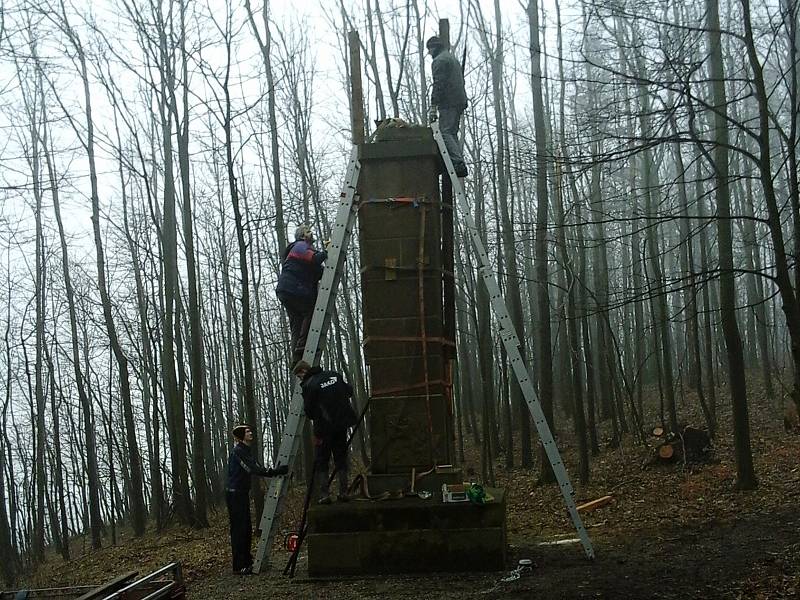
x: 331, y: 115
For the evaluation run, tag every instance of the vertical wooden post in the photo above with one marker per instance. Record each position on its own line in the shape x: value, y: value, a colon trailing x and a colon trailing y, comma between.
x: 444, y: 32
x: 356, y: 90
x: 448, y: 266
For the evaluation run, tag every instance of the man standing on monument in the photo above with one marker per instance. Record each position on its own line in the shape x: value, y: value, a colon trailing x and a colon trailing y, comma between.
x: 241, y: 466
x: 326, y: 401
x: 301, y: 270
x: 449, y: 98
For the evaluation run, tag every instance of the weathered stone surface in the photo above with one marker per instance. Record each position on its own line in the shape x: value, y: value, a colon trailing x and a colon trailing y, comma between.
x: 380, y: 220
x: 396, y: 149
x: 409, y: 133
x: 380, y: 327
x: 392, y: 482
x: 374, y: 348
x: 406, y: 536
x: 404, y: 251
x: 415, y: 176
x: 395, y: 375
x: 407, y: 513
x: 400, y: 298
x: 400, y: 438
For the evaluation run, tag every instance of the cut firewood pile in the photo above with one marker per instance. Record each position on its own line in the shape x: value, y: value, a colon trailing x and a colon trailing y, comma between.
x: 688, y: 445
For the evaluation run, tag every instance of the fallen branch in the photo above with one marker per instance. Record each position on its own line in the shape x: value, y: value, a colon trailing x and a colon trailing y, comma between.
x: 599, y: 503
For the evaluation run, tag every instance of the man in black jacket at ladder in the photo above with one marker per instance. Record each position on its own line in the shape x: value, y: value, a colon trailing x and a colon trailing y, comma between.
x: 326, y: 401
x: 241, y: 466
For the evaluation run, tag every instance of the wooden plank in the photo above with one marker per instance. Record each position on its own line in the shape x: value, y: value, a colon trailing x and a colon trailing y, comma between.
x: 110, y: 586
x: 600, y: 502
x: 47, y: 593
x: 356, y: 90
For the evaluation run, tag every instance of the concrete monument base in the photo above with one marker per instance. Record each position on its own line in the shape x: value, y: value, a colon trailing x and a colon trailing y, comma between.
x: 407, y: 535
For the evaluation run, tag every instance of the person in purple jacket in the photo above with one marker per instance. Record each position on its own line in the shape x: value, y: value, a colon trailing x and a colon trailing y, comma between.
x: 301, y: 270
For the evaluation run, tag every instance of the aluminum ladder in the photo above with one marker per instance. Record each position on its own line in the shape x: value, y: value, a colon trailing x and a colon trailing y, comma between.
x: 508, y: 335
x: 323, y: 309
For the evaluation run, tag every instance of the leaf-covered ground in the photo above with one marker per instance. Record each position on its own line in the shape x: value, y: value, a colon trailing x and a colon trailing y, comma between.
x: 671, y: 531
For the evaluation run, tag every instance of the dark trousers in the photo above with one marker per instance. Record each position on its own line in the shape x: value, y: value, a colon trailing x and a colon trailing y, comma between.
x: 449, y: 122
x: 241, y: 528
x: 300, y: 311
x: 334, y: 445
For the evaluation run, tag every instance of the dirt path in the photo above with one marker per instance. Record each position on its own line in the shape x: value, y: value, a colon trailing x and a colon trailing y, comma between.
x: 703, y: 560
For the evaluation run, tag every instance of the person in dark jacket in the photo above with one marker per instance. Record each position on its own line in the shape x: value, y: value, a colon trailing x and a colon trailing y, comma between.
x: 241, y: 466
x: 326, y: 401
x: 301, y: 270
x: 448, y: 98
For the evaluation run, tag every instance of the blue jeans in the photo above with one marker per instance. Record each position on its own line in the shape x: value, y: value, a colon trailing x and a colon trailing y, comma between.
x: 449, y: 121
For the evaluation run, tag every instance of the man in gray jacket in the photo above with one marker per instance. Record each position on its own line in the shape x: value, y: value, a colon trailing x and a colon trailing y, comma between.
x: 449, y: 98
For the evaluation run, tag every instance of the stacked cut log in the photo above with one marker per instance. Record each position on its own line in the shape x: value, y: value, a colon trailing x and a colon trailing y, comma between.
x: 689, y: 445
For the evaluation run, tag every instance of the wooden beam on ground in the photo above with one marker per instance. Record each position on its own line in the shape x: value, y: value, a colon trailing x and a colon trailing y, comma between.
x: 107, y: 588
x: 600, y: 502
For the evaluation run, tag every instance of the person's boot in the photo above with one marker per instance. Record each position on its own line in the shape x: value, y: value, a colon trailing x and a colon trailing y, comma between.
x: 342, y: 478
x: 324, y: 496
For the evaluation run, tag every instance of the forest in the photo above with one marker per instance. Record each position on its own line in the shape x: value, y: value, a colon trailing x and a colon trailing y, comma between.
x: 633, y: 173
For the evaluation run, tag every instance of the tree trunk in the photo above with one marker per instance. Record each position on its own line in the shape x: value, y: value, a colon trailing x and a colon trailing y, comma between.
x: 8, y: 513
x: 196, y: 333
x: 661, y: 313
x: 93, y: 483
x: 60, y: 524
x: 573, y: 340
x: 692, y: 345
x: 746, y: 477
x: 266, y: 55
x: 176, y: 419
x: 247, y: 345
x: 541, y: 244
x: 40, y: 445
x: 485, y: 353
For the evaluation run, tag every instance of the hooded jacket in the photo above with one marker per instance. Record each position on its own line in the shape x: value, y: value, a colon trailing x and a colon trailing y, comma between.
x: 448, y: 82
x: 301, y: 269
x: 326, y: 401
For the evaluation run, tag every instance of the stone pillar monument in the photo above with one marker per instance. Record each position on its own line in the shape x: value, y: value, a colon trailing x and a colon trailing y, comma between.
x: 403, y: 524
x: 405, y: 232
x: 407, y: 345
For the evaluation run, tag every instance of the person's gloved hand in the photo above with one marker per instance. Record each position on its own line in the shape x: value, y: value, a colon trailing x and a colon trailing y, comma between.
x: 433, y: 114
x: 278, y: 470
